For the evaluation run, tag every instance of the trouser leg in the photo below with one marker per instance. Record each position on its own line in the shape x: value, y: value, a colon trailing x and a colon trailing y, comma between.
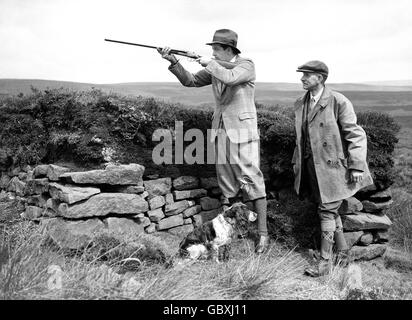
x: 260, y: 206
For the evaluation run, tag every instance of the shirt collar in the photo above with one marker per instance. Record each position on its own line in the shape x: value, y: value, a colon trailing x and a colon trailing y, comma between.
x: 234, y: 59
x: 317, y: 96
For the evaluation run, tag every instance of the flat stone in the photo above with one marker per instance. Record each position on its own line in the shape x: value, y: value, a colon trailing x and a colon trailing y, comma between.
x: 367, y: 253
x: 380, y: 236
x: 144, y: 195
x: 178, y: 207
x: 17, y: 186
x: 40, y: 171
x: 365, y: 192
x: 130, y: 174
x: 54, y: 172
x: 32, y: 213
x: 49, y: 213
x: 185, y: 183
x: 144, y: 221
x: 151, y: 228
x: 350, y: 206
x: 169, y: 198
x: 158, y: 187
x: 181, y: 231
x: 170, y: 222
x: 37, y: 186
x: 156, y: 202
x: 187, y: 221
x: 72, y: 234
x: 376, y: 207
x: 156, y: 215
x: 209, y: 183
x: 71, y: 194
x: 197, y: 220
x: 381, y: 196
x: 352, y: 237
x: 53, y: 205
x: 366, y: 239
x: 124, y: 229
x: 208, y: 203
x: 191, y: 211
x: 365, y: 221
x: 105, y: 203
x: 190, y: 194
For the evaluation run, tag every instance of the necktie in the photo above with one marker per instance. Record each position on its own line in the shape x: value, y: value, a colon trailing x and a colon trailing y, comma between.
x: 311, y: 104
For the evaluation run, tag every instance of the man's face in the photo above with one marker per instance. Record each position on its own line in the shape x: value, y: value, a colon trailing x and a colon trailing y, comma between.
x: 310, y: 80
x: 221, y: 54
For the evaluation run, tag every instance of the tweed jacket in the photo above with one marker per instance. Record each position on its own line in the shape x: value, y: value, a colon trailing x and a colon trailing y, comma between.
x: 337, y: 142
x: 234, y: 93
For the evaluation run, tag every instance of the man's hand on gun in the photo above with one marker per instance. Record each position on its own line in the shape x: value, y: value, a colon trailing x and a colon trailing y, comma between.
x: 165, y: 53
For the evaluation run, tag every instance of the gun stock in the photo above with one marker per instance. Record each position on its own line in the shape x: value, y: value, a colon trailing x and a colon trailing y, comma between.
x: 225, y: 64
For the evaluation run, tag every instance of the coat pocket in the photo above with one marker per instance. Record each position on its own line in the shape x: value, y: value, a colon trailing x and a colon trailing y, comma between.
x: 246, y: 115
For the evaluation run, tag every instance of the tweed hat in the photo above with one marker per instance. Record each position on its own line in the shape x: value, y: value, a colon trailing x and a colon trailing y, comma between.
x: 314, y: 66
x: 226, y: 37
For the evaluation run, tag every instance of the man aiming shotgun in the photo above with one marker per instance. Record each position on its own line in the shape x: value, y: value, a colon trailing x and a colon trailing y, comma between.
x: 188, y: 54
x: 234, y: 124
x: 234, y: 127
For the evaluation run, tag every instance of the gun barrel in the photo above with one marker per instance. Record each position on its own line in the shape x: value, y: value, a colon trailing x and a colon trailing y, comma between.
x: 131, y: 43
x: 226, y: 64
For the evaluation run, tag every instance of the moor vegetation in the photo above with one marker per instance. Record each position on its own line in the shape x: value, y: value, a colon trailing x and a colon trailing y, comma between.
x: 87, y: 129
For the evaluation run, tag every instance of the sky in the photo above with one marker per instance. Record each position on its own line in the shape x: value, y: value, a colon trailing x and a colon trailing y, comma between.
x: 359, y: 40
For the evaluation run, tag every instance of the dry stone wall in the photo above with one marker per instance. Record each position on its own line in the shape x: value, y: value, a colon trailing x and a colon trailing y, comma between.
x: 73, y: 207
x: 366, y: 225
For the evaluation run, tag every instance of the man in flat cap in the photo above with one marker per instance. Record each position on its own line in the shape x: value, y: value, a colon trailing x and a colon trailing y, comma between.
x: 234, y: 126
x: 329, y: 161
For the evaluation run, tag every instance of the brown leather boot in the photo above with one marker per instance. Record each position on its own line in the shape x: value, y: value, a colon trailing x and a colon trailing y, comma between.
x: 263, y: 245
x: 322, y: 266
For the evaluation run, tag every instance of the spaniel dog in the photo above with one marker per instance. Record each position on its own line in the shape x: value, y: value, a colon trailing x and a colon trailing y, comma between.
x: 211, y: 240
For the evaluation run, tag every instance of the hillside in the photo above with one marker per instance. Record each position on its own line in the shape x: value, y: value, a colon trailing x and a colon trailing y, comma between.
x: 362, y: 95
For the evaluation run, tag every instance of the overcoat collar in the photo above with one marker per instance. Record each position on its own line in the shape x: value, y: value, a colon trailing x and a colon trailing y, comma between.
x: 322, y: 103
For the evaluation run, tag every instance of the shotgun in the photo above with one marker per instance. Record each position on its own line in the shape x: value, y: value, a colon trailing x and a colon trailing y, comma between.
x: 188, y: 54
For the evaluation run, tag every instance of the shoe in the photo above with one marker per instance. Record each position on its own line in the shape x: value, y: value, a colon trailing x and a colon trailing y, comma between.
x: 263, y: 244
x: 321, y: 268
x: 342, y: 258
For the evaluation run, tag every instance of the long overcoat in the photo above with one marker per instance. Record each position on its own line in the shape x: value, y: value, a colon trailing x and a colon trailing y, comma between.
x: 338, y: 144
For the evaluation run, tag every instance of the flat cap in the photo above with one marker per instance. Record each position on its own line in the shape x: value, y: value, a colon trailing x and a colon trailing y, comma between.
x: 314, y: 66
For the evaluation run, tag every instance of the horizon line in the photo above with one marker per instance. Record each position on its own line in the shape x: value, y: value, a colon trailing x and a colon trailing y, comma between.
x: 366, y: 82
